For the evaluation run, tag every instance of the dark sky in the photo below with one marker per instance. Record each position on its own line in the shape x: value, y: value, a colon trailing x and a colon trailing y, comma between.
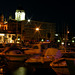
x: 60, y: 12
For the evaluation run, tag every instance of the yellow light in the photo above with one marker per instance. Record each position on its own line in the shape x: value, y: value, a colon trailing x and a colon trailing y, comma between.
x: 56, y: 34
x: 18, y: 38
x: 58, y: 40
x: 72, y: 41
x: 37, y: 29
x: 68, y: 32
x: 42, y: 40
x: 2, y: 34
x: 0, y: 25
x: 1, y: 69
x: 62, y: 43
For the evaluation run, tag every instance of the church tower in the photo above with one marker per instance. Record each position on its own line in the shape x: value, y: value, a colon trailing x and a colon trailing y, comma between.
x: 20, y: 14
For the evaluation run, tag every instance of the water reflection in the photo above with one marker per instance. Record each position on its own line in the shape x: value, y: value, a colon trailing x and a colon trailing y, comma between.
x: 18, y: 68
x: 20, y: 71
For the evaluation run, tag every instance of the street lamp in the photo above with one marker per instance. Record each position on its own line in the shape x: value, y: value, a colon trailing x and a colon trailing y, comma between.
x: 37, y: 29
x: 29, y: 20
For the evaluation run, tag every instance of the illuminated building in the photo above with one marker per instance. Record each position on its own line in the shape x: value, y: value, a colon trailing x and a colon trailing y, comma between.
x: 20, y: 14
x: 25, y: 29
x: 3, y: 28
x: 3, y: 24
x: 46, y: 30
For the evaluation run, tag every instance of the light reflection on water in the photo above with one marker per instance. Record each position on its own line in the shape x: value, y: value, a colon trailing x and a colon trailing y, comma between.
x: 18, y: 68
x: 20, y: 71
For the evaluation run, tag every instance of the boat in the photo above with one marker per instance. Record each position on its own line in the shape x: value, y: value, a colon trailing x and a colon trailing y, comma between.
x: 36, y: 49
x: 50, y: 55
x: 13, y: 53
x: 64, y: 65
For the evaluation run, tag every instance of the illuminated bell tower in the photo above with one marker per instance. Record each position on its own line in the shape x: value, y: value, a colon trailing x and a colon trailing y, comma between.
x: 20, y: 14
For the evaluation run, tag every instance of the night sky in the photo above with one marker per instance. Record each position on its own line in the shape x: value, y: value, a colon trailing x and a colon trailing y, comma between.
x: 60, y: 12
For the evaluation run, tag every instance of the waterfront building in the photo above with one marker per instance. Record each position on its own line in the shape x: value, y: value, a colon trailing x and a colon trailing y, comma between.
x: 3, y: 28
x: 26, y: 29
x: 20, y: 29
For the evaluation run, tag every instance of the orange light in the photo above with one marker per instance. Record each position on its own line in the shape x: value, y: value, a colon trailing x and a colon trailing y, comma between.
x: 67, y: 31
x: 37, y: 29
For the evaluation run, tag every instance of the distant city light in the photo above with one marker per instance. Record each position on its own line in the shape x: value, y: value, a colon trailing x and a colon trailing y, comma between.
x: 42, y: 40
x: 68, y: 43
x: 58, y: 40
x: 73, y: 41
x: 18, y: 38
x: 62, y: 43
x: 63, y: 38
x: 47, y: 40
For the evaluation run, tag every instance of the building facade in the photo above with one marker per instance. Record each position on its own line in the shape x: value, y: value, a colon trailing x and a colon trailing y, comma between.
x: 46, y: 30
x: 27, y: 30
x: 3, y: 28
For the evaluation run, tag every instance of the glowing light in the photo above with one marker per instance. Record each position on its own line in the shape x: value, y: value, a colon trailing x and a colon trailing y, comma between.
x: 37, y: 29
x: 2, y: 34
x: 18, y: 38
x: 72, y: 41
x: 28, y: 20
x: 56, y: 34
x: 19, y: 15
x: 62, y: 43
x: 11, y: 41
x: 73, y: 38
x: 42, y: 40
x: 22, y: 16
x: 68, y: 43
x: 58, y: 40
x: 18, y: 42
x: 68, y: 32
x: 47, y: 40
x: 1, y: 69
x: 20, y: 71
x: 0, y: 25
x: 63, y: 38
